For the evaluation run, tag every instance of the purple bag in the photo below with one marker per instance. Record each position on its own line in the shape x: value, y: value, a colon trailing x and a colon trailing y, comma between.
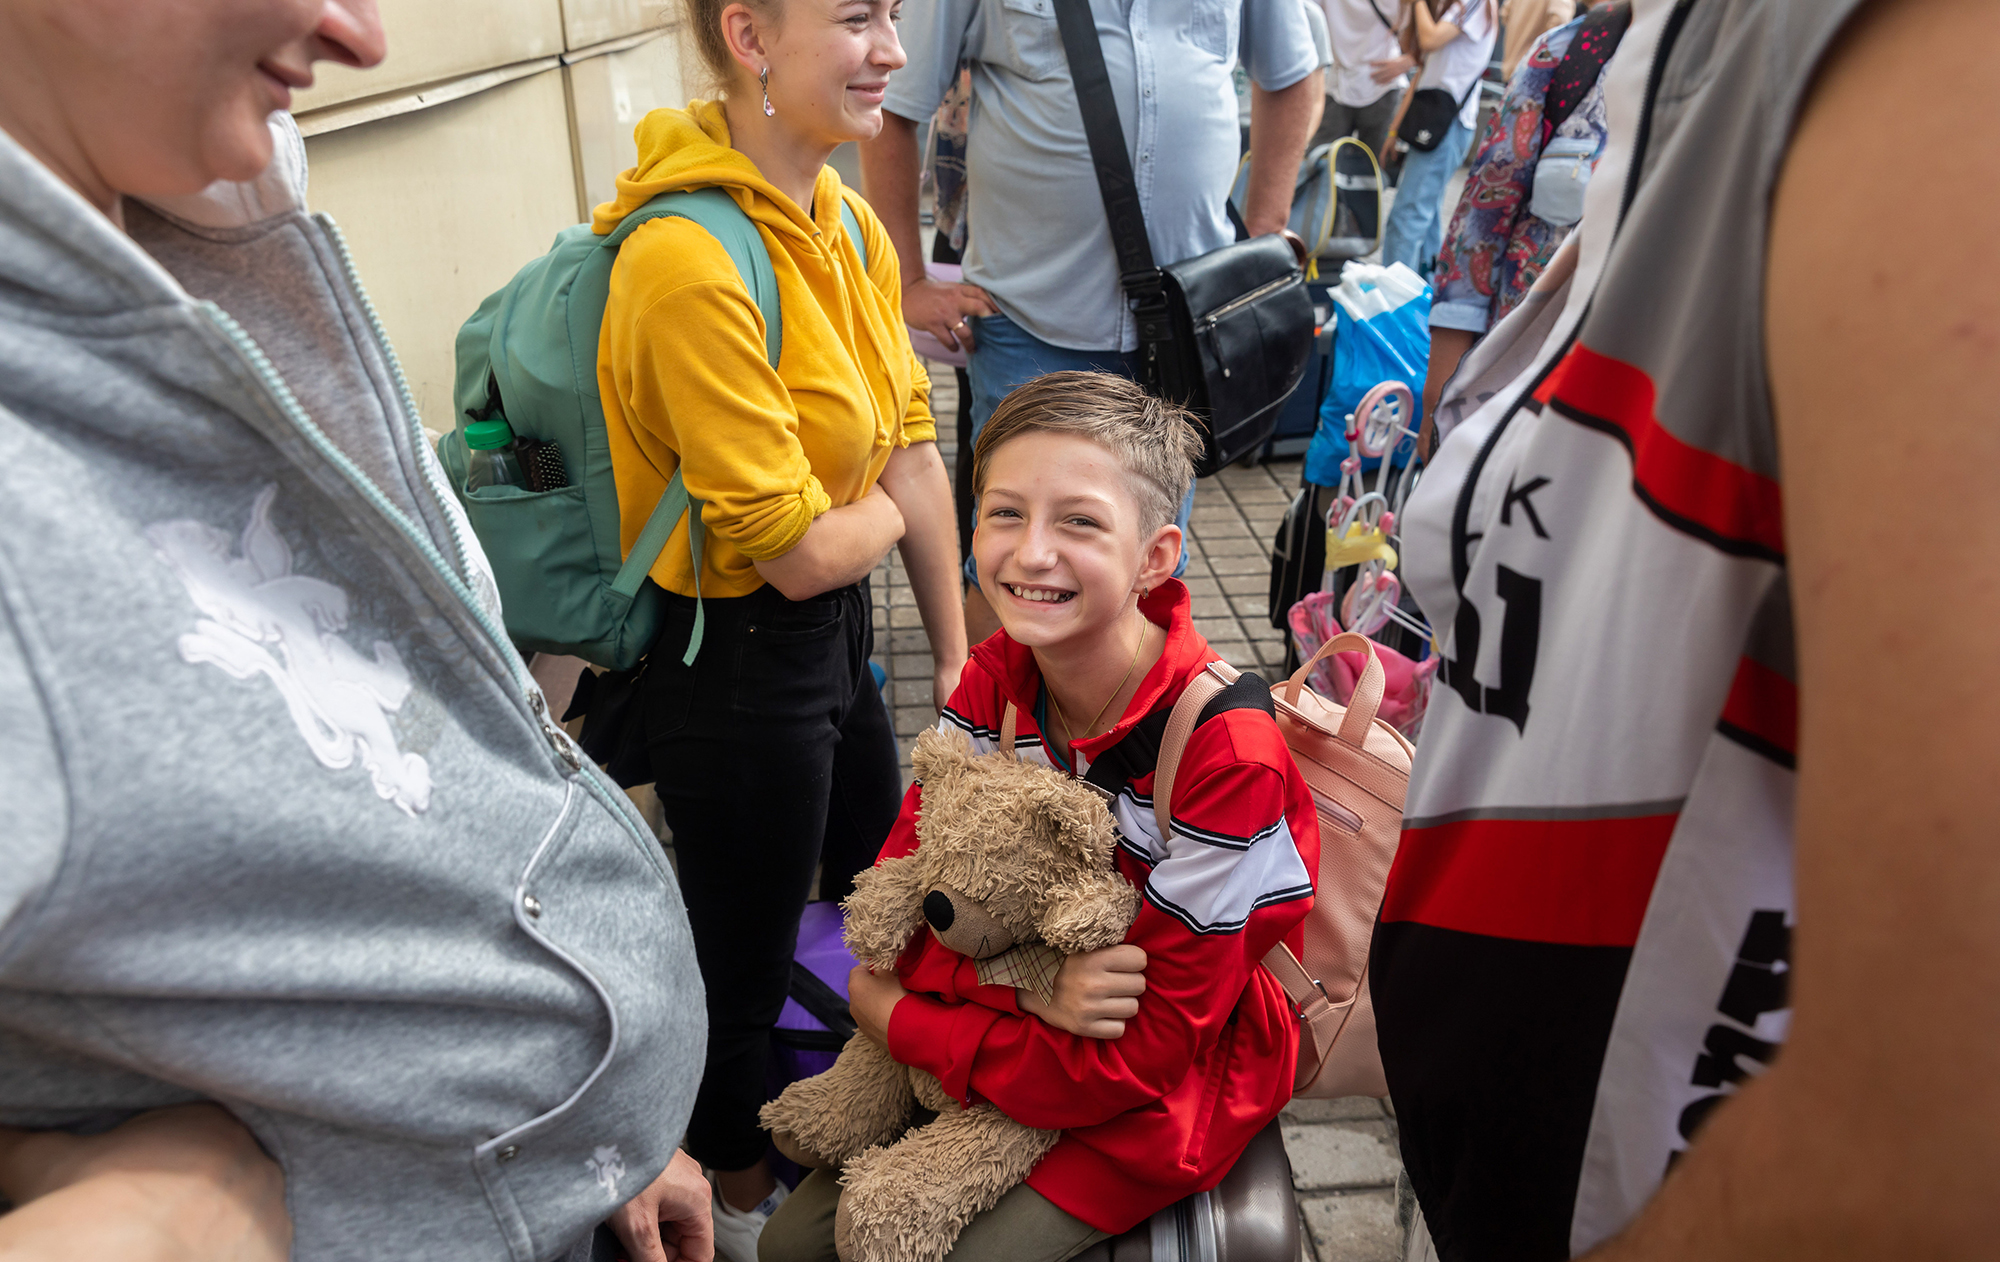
x: 814, y: 1025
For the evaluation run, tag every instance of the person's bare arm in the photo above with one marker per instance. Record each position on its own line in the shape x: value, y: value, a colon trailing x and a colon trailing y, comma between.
x: 1876, y: 1132
x: 1448, y: 346
x: 890, y: 170
x: 840, y: 547
x: 1431, y: 33
x: 915, y: 478
x: 186, y: 1184
x: 1280, y: 124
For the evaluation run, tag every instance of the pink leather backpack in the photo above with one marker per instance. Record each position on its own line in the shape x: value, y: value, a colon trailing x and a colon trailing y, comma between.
x: 1358, y: 768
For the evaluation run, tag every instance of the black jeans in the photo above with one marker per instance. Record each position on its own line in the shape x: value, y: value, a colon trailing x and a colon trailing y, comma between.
x: 772, y: 753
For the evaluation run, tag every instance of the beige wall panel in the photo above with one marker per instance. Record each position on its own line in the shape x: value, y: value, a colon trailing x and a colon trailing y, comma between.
x: 443, y: 39
x: 441, y: 206
x: 611, y: 94
x: 588, y: 22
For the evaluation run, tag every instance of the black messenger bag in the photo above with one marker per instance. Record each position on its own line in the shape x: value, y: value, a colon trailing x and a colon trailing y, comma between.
x: 1431, y: 114
x: 1228, y: 333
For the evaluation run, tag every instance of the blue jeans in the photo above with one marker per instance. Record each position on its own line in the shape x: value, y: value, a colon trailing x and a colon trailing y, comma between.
x: 1416, y: 222
x: 1005, y: 355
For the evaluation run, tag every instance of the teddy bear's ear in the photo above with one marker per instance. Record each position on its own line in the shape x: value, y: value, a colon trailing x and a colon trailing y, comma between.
x: 939, y: 753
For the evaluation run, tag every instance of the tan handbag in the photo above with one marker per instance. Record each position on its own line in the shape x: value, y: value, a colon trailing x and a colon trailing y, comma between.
x: 1358, y: 769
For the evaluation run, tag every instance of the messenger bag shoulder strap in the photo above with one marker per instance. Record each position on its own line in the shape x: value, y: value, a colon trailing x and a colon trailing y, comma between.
x: 1137, y: 271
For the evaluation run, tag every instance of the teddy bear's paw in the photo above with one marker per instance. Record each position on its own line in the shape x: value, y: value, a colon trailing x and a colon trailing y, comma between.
x: 794, y: 1151
x: 887, y: 1215
x: 819, y: 1142
x: 863, y: 1100
x: 908, y: 1201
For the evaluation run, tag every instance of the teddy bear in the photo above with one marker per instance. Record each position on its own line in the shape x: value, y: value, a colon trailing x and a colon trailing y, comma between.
x: 1014, y: 870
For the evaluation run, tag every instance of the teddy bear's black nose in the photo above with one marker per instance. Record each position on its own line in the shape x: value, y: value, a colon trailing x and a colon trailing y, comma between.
x: 938, y: 910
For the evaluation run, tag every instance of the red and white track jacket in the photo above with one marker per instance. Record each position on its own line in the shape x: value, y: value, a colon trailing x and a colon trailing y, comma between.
x: 1163, y: 1111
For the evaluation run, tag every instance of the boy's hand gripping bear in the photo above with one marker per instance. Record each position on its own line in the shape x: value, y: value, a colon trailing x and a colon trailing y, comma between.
x: 1014, y: 869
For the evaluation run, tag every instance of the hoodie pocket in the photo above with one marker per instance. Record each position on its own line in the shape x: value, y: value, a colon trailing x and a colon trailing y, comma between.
x: 604, y: 1037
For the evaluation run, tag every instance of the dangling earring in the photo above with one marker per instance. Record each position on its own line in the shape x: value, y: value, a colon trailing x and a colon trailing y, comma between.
x: 764, y: 82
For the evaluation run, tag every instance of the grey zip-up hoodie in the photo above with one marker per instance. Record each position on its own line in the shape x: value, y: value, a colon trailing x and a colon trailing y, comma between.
x: 284, y: 822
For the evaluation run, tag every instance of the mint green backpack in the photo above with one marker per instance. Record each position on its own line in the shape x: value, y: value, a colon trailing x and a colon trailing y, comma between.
x: 529, y: 354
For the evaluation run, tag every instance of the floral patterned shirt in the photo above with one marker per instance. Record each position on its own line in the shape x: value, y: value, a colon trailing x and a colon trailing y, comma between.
x: 1496, y: 247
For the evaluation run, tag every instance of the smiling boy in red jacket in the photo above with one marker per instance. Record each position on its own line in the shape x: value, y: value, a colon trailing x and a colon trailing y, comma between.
x: 1160, y: 1058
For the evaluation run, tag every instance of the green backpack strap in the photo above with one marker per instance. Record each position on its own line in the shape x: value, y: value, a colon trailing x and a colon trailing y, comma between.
x: 852, y: 224
x: 719, y: 215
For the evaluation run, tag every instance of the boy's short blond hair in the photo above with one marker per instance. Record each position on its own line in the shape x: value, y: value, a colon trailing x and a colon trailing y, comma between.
x: 1155, y: 439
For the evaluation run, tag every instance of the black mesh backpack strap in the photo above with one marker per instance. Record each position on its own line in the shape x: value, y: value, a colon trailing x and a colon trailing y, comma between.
x: 1581, y: 65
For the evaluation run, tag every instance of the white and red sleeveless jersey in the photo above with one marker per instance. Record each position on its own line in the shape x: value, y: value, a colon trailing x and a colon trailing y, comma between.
x: 1585, y: 937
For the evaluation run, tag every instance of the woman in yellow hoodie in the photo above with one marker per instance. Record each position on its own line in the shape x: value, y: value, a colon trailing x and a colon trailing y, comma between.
x: 773, y: 750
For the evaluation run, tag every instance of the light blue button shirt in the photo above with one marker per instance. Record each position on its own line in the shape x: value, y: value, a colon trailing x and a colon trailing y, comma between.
x: 1039, y: 242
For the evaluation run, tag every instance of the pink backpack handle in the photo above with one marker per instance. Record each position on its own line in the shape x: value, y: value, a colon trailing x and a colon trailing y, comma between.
x: 1368, y: 690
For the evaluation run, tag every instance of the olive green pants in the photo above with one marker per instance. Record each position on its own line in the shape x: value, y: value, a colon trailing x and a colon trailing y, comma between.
x: 1024, y: 1227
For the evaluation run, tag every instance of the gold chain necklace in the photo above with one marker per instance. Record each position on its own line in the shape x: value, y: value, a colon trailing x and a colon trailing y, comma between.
x: 1130, y: 667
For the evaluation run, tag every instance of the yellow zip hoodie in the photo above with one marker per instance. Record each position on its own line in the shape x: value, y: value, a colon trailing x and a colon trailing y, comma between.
x: 682, y: 371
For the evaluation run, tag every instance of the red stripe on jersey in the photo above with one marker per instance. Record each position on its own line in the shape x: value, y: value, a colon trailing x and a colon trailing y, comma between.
x: 1765, y: 705
x: 1695, y: 490
x: 1580, y: 882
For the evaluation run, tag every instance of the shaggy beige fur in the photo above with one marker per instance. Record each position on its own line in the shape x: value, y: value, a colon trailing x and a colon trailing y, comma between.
x: 1029, y: 847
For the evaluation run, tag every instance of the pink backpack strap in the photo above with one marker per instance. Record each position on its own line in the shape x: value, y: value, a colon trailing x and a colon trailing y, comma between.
x: 1194, y: 698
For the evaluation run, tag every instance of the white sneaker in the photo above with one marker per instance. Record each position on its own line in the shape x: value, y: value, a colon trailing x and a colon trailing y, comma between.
x: 736, y: 1230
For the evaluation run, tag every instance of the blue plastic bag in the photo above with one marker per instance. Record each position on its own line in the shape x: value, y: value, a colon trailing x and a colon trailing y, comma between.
x: 1382, y: 333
